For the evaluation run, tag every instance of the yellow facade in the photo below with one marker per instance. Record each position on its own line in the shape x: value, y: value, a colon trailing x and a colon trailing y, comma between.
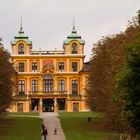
x: 49, y: 81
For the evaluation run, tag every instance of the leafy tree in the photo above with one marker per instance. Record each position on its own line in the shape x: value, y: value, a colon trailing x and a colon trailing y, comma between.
x: 129, y: 81
x: 108, y: 59
x: 139, y: 17
x: 6, y: 75
x: 0, y: 41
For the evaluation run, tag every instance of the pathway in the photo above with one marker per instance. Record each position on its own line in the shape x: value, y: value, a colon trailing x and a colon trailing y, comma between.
x: 51, y: 121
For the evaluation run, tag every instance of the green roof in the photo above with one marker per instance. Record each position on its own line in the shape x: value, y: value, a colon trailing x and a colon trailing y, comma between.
x: 74, y: 36
x: 21, y: 36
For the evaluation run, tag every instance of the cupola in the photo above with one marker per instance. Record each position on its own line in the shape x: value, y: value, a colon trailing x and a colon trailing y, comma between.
x: 74, y: 44
x: 21, y: 43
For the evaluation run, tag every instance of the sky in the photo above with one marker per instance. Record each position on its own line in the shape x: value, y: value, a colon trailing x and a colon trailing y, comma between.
x: 49, y: 22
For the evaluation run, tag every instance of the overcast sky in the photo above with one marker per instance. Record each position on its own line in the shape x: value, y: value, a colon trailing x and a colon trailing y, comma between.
x: 49, y: 22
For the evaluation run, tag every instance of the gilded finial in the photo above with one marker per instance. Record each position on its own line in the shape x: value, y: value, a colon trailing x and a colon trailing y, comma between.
x: 21, y: 28
x: 73, y: 27
x: 21, y: 23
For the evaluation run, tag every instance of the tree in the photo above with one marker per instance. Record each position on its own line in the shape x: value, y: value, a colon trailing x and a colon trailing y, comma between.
x: 108, y: 59
x: 139, y: 17
x: 0, y: 42
x: 129, y: 81
x: 6, y: 83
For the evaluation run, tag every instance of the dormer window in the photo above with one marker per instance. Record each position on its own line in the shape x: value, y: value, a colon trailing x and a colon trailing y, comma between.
x: 21, y: 49
x: 74, y: 48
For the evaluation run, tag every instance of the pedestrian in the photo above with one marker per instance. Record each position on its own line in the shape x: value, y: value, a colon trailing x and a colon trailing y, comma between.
x: 44, y: 133
x: 43, y: 126
x: 55, y: 131
x: 35, y: 109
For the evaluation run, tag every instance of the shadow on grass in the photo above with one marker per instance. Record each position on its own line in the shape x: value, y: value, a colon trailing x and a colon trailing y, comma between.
x: 5, y: 123
x: 20, y: 128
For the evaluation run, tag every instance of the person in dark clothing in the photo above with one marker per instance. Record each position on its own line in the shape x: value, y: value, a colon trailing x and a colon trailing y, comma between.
x: 55, y: 131
x: 43, y: 126
x: 44, y: 132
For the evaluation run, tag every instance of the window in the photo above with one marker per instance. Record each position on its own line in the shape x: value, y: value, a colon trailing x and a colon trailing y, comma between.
x: 61, y: 66
x: 21, y: 87
x: 74, y: 66
x: 61, y: 85
x: 74, y: 48
x: 48, y: 83
x: 34, y: 85
x: 34, y: 66
x: 21, y: 49
x: 21, y: 66
x: 74, y: 87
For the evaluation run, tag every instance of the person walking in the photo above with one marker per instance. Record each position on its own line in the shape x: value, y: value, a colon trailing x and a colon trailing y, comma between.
x: 55, y: 131
x: 42, y: 126
x: 44, y: 132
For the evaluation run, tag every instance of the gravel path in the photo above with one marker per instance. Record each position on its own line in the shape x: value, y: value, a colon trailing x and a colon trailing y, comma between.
x: 51, y: 121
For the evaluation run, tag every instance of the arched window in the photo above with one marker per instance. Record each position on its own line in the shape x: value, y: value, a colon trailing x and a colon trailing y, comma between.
x: 48, y: 83
x: 21, y: 49
x: 74, y: 48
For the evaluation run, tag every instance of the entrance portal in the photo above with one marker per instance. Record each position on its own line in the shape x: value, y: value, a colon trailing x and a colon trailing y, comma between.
x: 75, y: 107
x: 34, y: 105
x: 20, y: 107
x: 48, y: 105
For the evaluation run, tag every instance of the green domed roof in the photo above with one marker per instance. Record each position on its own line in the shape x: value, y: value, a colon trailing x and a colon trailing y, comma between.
x: 21, y: 36
x: 74, y: 36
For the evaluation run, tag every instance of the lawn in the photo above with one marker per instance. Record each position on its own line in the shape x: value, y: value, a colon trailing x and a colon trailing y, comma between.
x: 20, y: 128
x: 76, y: 127
x: 24, y: 113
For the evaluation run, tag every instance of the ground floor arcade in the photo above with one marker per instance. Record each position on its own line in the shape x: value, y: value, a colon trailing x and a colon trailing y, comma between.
x: 48, y: 104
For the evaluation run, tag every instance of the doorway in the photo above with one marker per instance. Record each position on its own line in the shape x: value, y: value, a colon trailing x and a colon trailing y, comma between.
x: 61, y: 104
x: 34, y: 105
x: 48, y: 105
x: 75, y: 107
x: 20, y: 107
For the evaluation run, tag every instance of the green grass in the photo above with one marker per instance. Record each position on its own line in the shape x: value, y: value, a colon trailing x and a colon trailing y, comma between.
x: 76, y: 127
x: 24, y: 113
x: 20, y: 128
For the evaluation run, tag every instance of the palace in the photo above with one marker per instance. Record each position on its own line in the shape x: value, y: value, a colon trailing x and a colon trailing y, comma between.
x: 50, y: 80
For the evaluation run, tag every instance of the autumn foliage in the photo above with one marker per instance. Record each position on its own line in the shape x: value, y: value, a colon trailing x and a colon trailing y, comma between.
x: 108, y: 59
x: 6, y: 83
